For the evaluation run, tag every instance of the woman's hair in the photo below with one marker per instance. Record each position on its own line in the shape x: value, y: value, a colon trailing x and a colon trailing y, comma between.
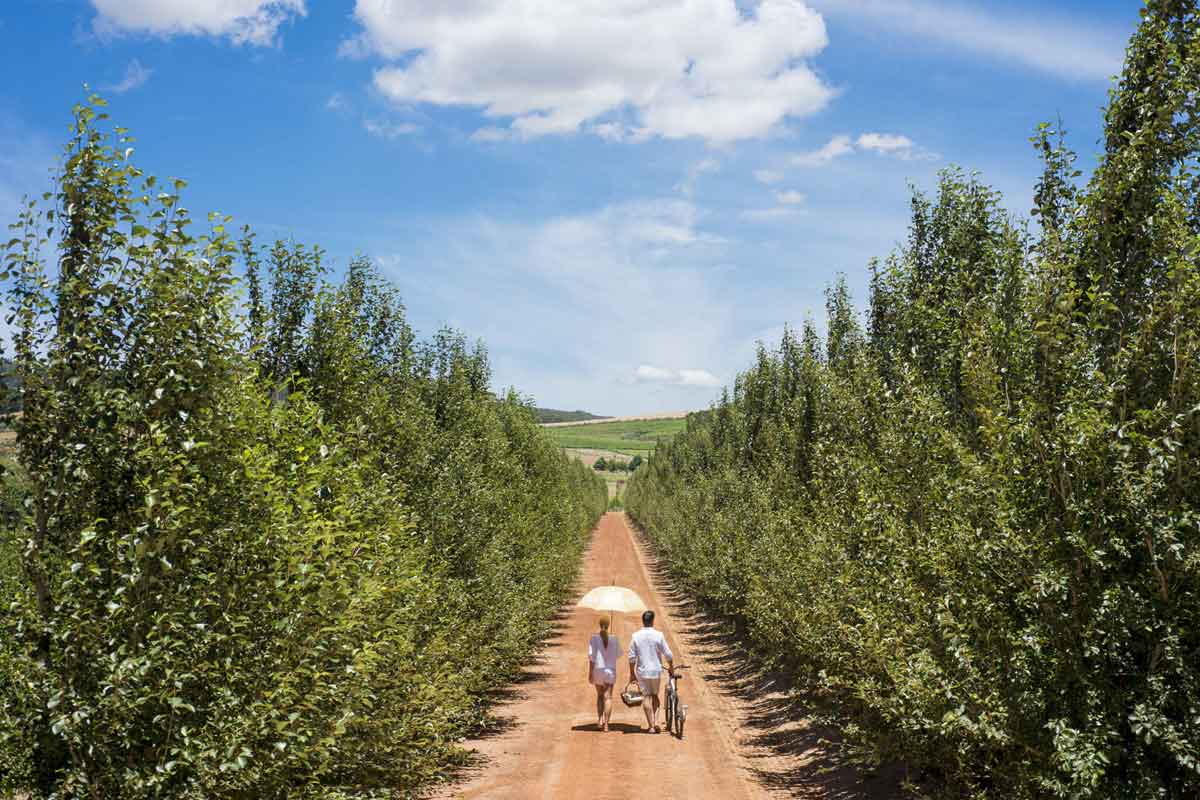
x: 604, y: 630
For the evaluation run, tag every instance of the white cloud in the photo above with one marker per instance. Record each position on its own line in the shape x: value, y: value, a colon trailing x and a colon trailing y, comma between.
x: 390, y: 130
x: 772, y: 214
x: 679, y: 377
x: 698, y: 377
x: 768, y: 176
x: 491, y: 134
x: 571, y: 306
x: 622, y: 69
x: 887, y: 144
x: 254, y: 22
x: 688, y: 186
x: 837, y: 147
x: 790, y: 197
x: 135, y: 75
x: 337, y: 102
x: 895, y: 145
x: 883, y: 142
x: 654, y: 374
x: 1069, y: 47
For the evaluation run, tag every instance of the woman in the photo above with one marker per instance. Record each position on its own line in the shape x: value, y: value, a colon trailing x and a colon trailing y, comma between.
x: 603, y: 652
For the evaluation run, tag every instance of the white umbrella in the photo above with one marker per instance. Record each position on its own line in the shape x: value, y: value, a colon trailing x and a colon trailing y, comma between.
x: 612, y: 599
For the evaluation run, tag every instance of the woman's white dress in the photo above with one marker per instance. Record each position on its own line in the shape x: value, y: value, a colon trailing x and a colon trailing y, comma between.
x: 604, y: 659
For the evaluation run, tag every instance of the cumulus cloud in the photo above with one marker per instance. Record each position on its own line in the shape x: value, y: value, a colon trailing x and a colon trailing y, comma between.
x: 252, y: 22
x: 1068, y: 47
x: 135, y: 75
x: 790, y: 197
x: 679, y: 377
x: 622, y: 69
x: 837, y: 147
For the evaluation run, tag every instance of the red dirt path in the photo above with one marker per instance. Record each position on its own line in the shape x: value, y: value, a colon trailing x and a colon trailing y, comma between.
x: 552, y: 749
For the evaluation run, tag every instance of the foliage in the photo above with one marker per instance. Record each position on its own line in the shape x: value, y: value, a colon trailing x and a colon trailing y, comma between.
x: 613, y: 464
x: 630, y: 437
x: 550, y: 415
x: 975, y: 524
x: 275, y: 548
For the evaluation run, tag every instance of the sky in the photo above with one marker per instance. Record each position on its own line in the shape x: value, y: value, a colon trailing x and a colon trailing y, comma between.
x: 619, y: 197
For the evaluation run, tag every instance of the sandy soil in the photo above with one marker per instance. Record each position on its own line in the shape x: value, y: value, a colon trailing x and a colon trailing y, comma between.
x: 734, y: 746
x: 638, y: 418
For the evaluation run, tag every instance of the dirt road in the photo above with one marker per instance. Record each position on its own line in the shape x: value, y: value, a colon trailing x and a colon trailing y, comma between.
x: 551, y: 747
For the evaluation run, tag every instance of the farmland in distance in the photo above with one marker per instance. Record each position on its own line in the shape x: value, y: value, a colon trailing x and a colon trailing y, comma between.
x: 627, y: 436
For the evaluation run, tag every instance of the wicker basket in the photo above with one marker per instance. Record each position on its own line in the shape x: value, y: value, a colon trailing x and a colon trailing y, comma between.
x: 632, y: 695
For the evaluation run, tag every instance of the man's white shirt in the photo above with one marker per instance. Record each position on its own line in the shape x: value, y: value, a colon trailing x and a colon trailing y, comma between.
x: 647, y: 647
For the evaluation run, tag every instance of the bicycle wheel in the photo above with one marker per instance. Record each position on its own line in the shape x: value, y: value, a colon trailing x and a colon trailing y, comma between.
x: 680, y: 716
x: 670, y: 710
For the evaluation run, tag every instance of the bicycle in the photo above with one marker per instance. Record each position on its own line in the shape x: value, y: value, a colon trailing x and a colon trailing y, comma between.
x: 676, y: 712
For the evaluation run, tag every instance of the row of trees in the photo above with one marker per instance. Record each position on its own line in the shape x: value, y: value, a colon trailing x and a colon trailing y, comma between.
x: 617, y: 464
x: 261, y: 544
x: 973, y: 523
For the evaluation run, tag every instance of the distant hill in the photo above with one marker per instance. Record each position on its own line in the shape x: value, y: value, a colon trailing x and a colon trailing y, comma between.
x: 545, y: 415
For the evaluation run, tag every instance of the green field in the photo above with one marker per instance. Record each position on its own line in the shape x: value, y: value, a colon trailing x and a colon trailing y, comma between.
x: 631, y: 437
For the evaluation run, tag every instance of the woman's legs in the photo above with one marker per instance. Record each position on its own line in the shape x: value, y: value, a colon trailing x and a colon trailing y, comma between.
x: 607, y: 703
x: 600, y: 690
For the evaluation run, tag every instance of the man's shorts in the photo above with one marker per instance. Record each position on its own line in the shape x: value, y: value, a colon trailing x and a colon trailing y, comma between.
x: 649, y: 686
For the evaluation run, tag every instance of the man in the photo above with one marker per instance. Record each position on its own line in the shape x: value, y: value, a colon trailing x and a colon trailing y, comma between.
x: 647, y: 648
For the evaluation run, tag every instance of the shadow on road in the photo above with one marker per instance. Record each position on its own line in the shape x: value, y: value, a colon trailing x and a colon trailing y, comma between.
x: 617, y: 727
x: 794, y: 756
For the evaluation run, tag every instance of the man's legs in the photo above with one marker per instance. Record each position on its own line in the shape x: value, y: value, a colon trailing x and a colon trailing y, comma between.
x: 650, y: 688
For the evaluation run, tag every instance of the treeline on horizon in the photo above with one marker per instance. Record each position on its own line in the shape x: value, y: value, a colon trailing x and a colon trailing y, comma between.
x: 260, y: 540
x: 969, y: 525
x: 550, y: 415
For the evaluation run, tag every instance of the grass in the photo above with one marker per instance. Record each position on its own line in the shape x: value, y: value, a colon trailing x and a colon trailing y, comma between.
x: 629, y: 437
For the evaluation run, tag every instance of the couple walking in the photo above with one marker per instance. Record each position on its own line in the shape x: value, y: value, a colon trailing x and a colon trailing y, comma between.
x: 647, y: 648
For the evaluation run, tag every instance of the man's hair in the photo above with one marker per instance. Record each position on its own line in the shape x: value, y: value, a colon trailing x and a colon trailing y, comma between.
x: 647, y: 618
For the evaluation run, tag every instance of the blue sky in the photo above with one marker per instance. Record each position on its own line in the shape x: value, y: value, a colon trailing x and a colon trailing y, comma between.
x: 618, y: 196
